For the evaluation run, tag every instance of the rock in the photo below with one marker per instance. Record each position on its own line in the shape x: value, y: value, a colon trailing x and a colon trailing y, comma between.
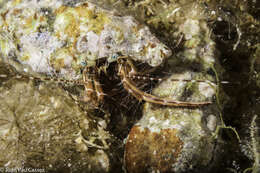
x: 181, y: 139
x: 42, y: 128
x: 62, y: 38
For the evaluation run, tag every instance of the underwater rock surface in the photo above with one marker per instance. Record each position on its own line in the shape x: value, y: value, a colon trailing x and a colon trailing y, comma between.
x: 56, y: 39
x: 188, y: 28
x: 170, y: 139
x: 42, y: 127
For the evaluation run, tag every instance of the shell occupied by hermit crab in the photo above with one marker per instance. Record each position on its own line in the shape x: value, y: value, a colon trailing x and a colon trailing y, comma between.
x: 54, y: 39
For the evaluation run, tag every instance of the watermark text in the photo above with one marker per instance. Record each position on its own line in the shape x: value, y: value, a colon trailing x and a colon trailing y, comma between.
x: 24, y: 169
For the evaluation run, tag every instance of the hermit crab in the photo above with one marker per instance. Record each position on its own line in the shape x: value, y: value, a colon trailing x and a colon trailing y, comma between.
x: 68, y: 41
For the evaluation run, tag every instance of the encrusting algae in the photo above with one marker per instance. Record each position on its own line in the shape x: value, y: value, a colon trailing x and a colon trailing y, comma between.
x: 56, y: 39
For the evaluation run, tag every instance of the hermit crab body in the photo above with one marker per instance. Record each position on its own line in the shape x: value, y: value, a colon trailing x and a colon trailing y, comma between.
x: 64, y: 41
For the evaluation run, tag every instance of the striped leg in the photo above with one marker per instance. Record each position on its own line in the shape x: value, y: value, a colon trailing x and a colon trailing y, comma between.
x: 129, y: 85
x: 94, y: 91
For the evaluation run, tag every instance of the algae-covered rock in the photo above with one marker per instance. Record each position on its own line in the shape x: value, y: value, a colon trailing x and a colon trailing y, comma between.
x: 165, y: 139
x: 255, y: 66
x: 172, y: 139
x: 62, y: 38
x: 41, y: 127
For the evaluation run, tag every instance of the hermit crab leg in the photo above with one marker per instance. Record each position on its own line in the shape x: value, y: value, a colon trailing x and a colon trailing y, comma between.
x: 140, y: 95
x: 140, y: 77
x: 99, y: 90
x: 89, y: 87
x: 52, y: 79
x: 93, y: 88
x: 134, y: 74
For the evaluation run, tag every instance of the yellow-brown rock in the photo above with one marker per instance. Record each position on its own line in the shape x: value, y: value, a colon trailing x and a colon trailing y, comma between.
x: 151, y: 150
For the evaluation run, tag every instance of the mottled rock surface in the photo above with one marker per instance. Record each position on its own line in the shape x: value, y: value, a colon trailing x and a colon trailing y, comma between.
x: 172, y: 139
x: 59, y: 38
x: 234, y: 27
x: 42, y: 127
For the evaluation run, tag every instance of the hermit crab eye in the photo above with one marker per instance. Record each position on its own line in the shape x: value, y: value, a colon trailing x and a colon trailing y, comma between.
x: 115, y: 56
x: 83, y: 63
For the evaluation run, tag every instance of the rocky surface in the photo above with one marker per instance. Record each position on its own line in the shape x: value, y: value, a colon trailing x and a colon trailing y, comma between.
x: 41, y: 127
x: 201, y: 34
x: 168, y: 139
x: 56, y: 38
